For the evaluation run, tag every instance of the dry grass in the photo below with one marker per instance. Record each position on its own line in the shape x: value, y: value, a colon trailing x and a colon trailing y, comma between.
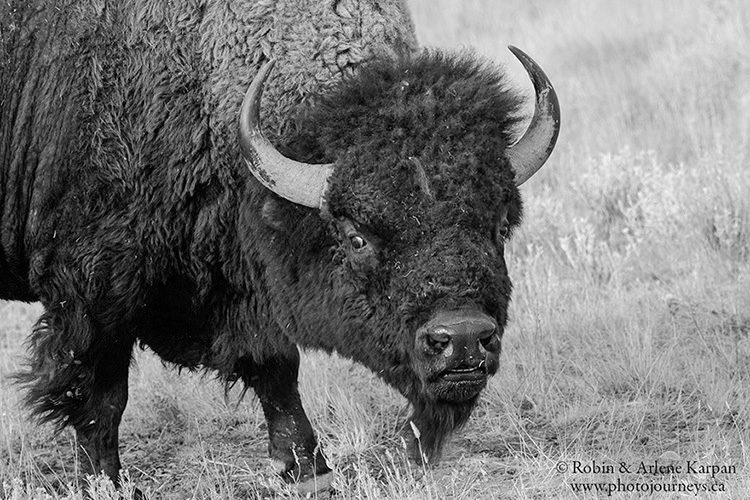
x: 630, y: 337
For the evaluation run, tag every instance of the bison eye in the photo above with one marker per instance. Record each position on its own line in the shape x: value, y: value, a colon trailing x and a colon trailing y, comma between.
x: 358, y: 242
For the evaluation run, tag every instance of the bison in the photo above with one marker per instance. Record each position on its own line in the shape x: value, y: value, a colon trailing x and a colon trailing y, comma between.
x: 128, y: 208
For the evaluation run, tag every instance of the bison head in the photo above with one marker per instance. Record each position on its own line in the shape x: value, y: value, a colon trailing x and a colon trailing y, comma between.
x: 420, y: 201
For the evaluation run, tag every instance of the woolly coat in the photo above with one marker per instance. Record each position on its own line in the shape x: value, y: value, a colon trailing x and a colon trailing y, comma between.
x: 122, y: 185
x: 124, y: 95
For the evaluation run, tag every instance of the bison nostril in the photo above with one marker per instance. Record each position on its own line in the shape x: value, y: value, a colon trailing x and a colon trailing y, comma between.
x: 490, y: 342
x: 438, y: 339
x: 486, y: 334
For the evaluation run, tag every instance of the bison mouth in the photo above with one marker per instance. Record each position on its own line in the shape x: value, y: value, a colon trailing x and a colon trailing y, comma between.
x: 460, y: 383
x: 465, y: 374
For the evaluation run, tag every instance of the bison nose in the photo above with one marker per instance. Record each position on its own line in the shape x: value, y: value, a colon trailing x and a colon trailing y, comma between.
x: 461, y: 333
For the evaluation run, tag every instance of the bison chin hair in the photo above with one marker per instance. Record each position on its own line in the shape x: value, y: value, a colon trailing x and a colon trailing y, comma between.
x: 431, y: 424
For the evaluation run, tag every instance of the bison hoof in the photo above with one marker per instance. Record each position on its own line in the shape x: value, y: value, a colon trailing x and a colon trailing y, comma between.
x: 315, y: 485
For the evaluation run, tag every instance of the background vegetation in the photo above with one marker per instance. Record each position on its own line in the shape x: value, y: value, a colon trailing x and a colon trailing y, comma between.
x: 629, y: 338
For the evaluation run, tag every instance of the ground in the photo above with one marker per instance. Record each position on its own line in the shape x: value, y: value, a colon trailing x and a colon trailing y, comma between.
x: 629, y: 339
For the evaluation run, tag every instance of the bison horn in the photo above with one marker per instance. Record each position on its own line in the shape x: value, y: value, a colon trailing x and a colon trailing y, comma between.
x: 530, y: 152
x: 301, y: 183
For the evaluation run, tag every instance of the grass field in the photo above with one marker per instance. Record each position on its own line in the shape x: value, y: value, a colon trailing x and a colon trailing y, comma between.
x: 629, y: 342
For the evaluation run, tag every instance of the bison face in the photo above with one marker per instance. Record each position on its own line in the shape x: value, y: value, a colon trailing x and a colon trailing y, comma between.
x: 421, y: 197
x: 458, y: 346
x: 428, y: 261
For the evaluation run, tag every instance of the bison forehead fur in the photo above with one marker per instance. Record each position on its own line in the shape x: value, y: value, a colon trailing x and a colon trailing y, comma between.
x: 449, y: 113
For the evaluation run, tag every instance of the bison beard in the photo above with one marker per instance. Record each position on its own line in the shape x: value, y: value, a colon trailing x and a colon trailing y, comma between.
x: 434, y: 422
x: 397, y: 264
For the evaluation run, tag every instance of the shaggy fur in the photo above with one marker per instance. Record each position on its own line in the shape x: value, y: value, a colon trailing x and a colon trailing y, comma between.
x: 127, y: 211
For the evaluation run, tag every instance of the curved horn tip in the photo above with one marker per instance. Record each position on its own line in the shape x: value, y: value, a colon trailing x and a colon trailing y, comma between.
x: 538, y: 76
x: 265, y: 68
x: 530, y: 152
x: 250, y: 110
x: 520, y: 54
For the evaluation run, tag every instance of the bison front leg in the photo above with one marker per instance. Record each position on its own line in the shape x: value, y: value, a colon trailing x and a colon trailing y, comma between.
x: 97, y: 422
x: 292, y: 444
x: 78, y: 376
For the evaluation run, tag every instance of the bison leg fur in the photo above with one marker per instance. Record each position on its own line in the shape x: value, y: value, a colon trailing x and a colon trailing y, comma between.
x: 78, y: 376
x: 292, y: 444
